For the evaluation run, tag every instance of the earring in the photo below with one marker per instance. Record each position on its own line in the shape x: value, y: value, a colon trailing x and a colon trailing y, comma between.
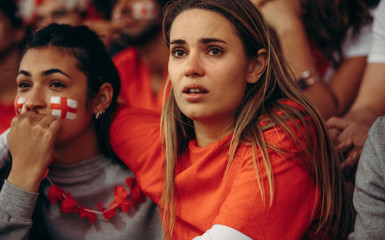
x: 99, y: 114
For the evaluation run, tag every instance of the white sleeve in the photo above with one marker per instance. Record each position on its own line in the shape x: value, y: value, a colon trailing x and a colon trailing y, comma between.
x: 377, y: 52
x: 222, y: 232
x: 4, y: 149
x: 360, y: 45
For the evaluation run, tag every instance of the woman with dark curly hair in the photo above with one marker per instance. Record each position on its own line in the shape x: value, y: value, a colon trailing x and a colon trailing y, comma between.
x: 326, y: 40
x: 67, y: 90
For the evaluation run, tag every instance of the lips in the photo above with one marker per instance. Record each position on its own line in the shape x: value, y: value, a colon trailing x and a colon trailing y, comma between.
x: 194, y: 90
x: 194, y: 93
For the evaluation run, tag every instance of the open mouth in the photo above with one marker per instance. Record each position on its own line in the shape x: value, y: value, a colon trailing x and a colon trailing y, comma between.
x: 194, y: 90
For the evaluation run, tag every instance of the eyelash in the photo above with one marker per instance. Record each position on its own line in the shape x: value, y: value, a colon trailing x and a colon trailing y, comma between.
x: 177, y: 50
x: 215, y: 49
x: 57, y: 84
x: 23, y: 85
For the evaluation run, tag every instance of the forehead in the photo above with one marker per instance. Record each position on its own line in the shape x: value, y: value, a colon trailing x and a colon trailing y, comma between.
x: 200, y: 23
x: 41, y: 58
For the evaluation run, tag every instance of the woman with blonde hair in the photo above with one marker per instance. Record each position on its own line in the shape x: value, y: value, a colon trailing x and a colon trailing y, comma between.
x: 245, y: 155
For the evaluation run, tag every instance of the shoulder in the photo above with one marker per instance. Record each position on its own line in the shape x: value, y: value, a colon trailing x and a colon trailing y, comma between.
x: 133, y: 129
x: 291, y: 115
x: 378, y: 128
x: 376, y: 137
x: 289, y: 102
x: 131, y: 119
x: 289, y: 128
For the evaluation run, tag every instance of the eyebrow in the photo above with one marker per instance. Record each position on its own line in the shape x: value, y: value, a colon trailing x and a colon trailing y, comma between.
x: 55, y: 70
x: 24, y: 73
x: 203, y: 40
x: 45, y: 73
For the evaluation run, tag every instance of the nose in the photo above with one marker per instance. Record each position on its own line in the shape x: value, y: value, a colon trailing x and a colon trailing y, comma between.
x: 194, y: 66
x: 35, y: 100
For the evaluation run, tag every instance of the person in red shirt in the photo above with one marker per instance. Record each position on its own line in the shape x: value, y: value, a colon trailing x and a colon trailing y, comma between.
x: 142, y: 64
x: 94, y: 14
x: 12, y: 34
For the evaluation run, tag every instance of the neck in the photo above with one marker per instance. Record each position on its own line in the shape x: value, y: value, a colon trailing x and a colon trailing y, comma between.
x: 211, y: 132
x: 79, y: 149
x: 8, y: 73
x: 293, y: 5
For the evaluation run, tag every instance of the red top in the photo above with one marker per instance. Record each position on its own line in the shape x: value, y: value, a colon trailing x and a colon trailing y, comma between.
x: 204, y: 196
x: 135, y: 77
x: 7, y: 112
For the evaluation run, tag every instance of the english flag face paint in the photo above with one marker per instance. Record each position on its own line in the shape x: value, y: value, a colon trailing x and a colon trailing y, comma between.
x: 64, y: 107
x: 144, y: 11
x: 18, y: 104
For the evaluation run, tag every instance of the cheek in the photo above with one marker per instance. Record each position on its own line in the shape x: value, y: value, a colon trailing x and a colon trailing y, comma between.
x: 18, y: 104
x: 64, y: 107
x: 71, y: 128
x: 175, y: 72
x: 233, y: 88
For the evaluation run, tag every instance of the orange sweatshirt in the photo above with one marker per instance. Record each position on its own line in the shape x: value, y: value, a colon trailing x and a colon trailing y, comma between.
x: 205, y: 196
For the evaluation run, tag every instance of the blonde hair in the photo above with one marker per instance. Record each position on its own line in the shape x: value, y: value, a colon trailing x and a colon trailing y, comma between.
x: 260, y: 99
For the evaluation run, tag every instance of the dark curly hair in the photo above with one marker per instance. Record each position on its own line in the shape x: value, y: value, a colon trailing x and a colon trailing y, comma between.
x: 326, y: 23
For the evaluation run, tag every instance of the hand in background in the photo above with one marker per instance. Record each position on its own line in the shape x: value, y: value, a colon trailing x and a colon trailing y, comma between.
x: 350, y: 137
x: 31, y: 142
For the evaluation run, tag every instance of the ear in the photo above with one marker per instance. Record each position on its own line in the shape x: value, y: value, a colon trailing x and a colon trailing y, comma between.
x: 103, y: 100
x: 257, y: 66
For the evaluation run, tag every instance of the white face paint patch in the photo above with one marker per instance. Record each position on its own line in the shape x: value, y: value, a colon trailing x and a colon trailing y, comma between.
x: 63, y: 107
x: 18, y: 104
x: 144, y: 11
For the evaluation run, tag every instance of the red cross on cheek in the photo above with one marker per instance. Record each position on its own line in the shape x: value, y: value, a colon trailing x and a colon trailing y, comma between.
x: 63, y: 107
x: 18, y: 104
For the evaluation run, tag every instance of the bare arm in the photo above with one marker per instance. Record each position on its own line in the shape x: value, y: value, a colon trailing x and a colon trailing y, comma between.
x: 297, y: 51
x: 346, y: 81
x: 370, y: 104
